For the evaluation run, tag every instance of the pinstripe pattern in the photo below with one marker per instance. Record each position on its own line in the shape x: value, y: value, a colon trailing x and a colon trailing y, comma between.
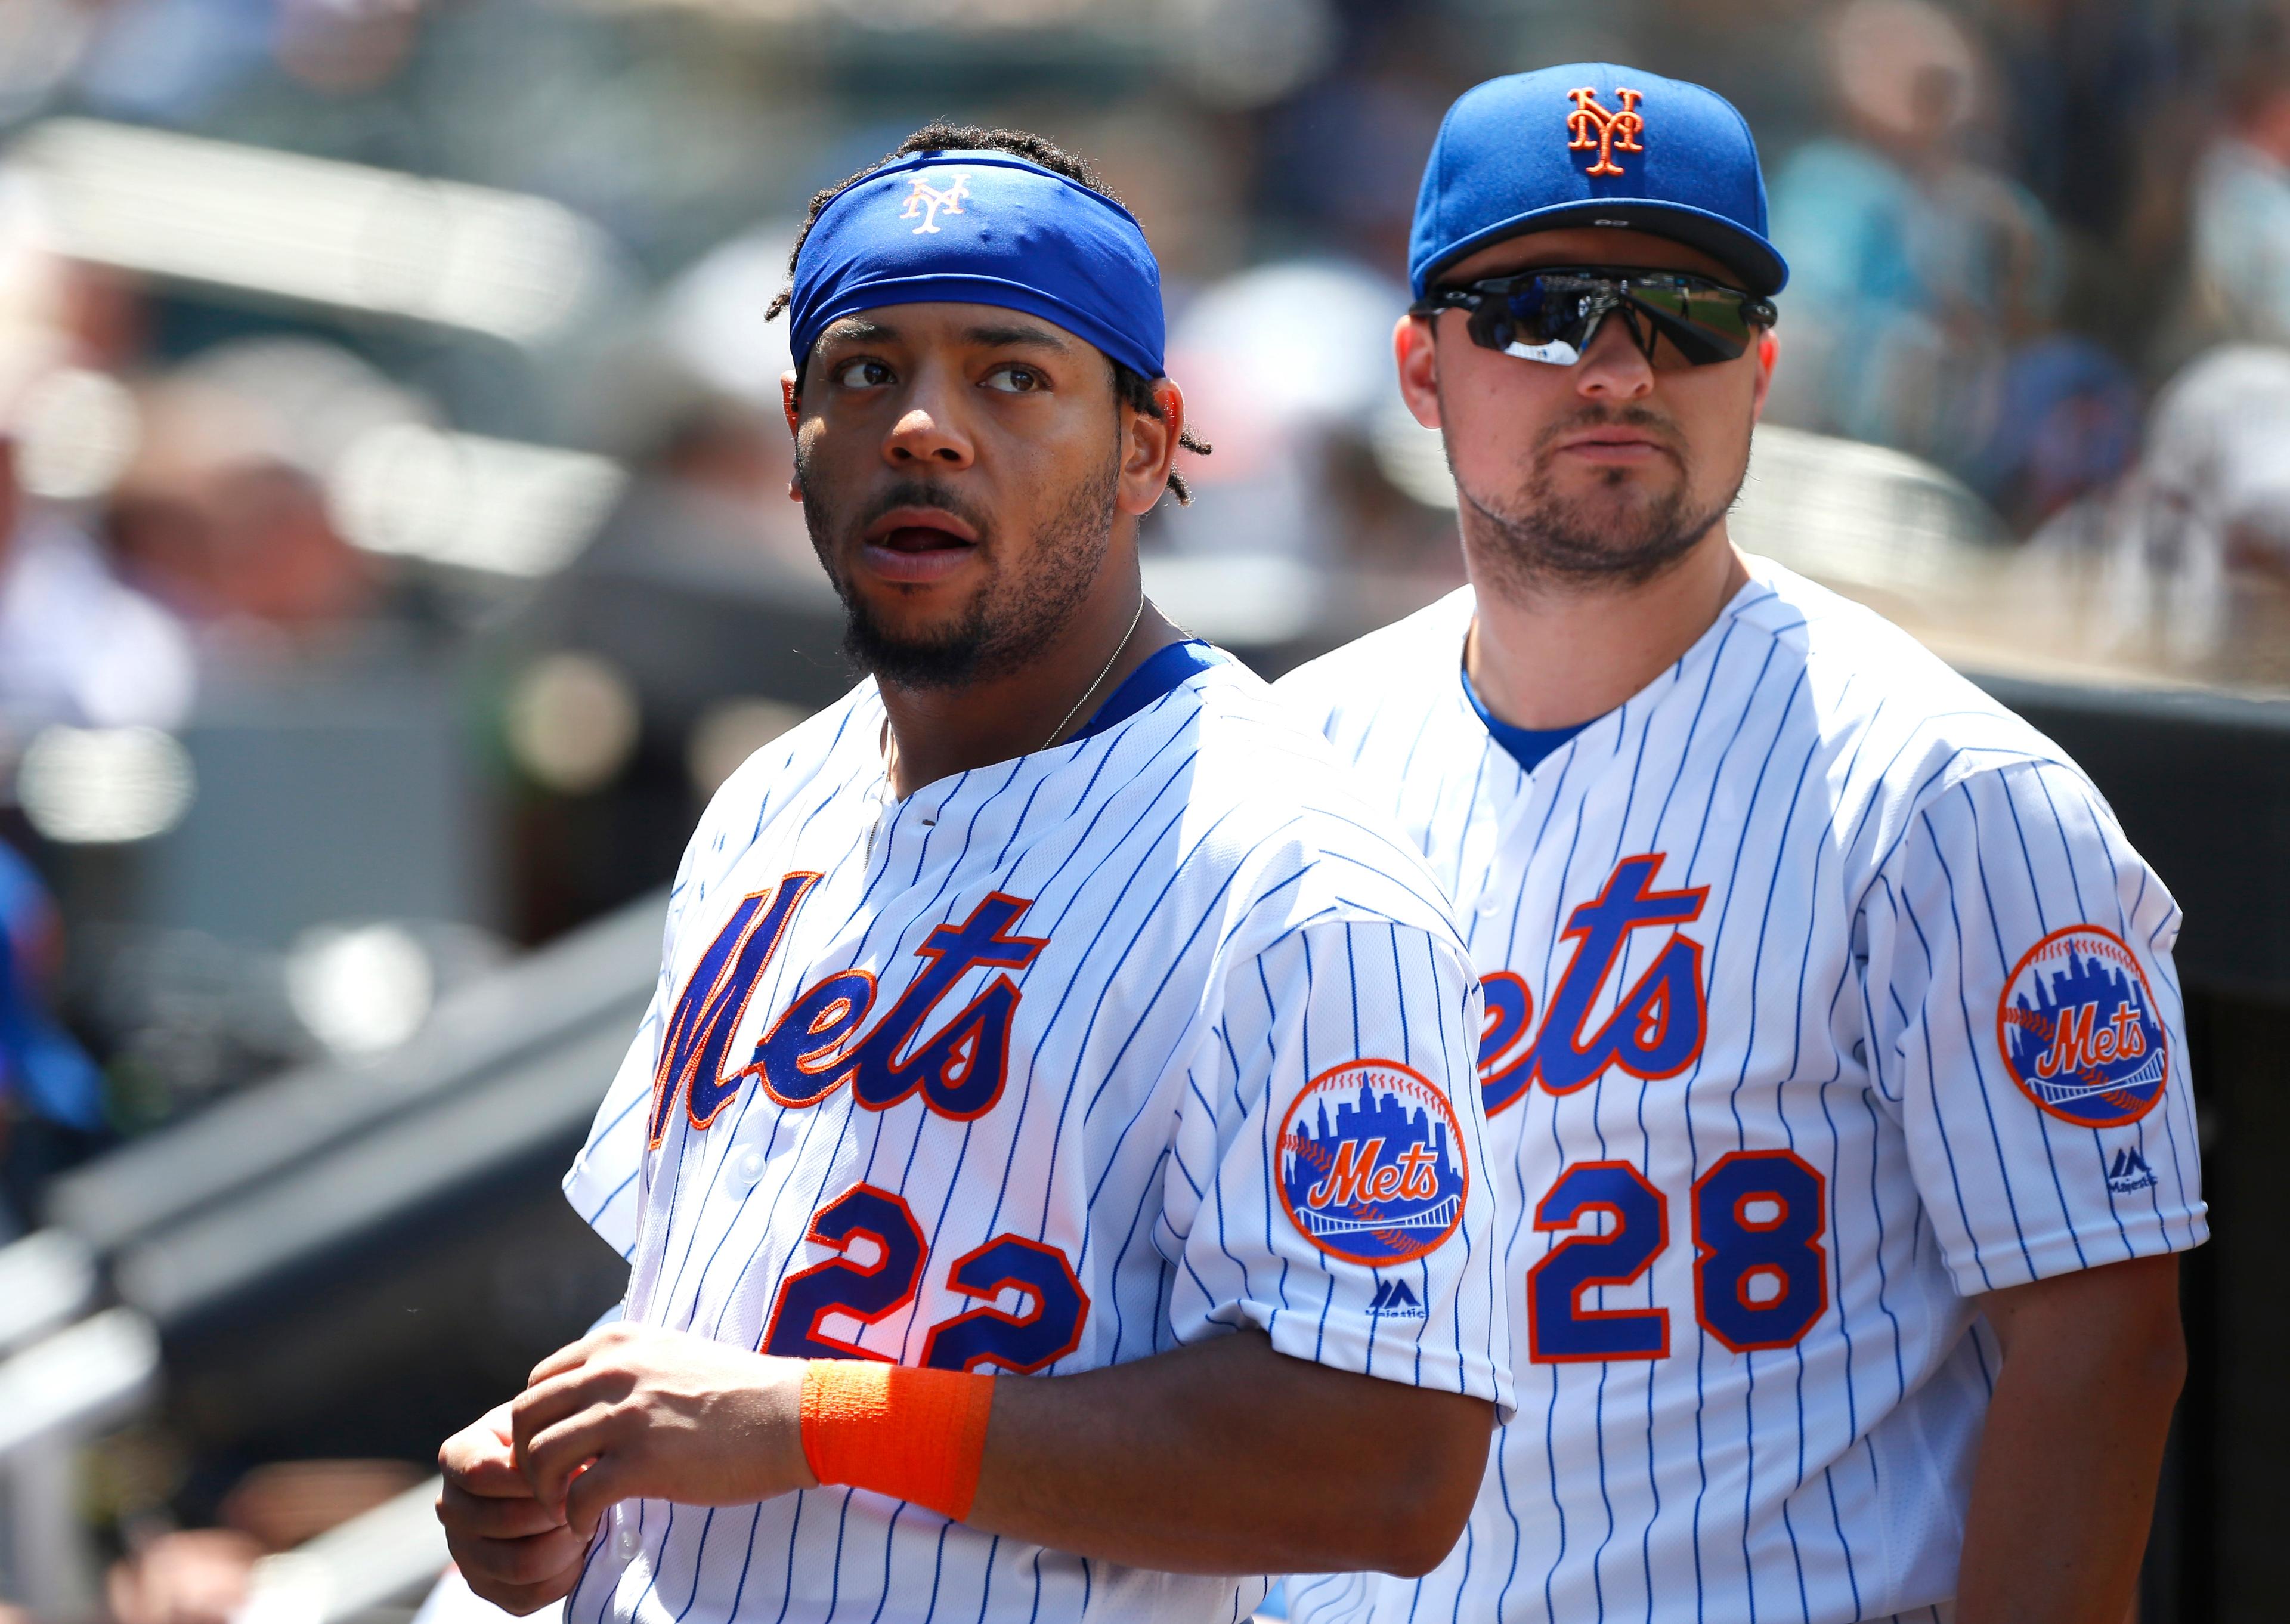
x: 1224, y: 918
x: 1881, y: 843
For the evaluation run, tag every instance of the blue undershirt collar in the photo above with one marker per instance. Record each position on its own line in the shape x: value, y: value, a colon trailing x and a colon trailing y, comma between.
x: 1165, y: 670
x: 1527, y: 745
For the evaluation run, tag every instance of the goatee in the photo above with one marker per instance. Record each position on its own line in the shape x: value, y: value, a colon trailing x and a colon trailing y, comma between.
x: 1010, y: 619
x: 1613, y: 535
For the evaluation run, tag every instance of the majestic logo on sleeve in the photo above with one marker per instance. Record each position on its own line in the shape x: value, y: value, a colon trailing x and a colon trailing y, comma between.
x: 1655, y: 1027
x: 1372, y: 1165
x: 815, y: 1046
x: 1590, y: 128
x: 926, y: 200
x: 2077, y: 1027
x: 1396, y: 1300
x: 2130, y: 1173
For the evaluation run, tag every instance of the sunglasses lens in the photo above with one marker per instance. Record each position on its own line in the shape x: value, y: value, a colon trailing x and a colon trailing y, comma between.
x: 1702, y: 324
x: 1539, y: 319
x: 1553, y: 317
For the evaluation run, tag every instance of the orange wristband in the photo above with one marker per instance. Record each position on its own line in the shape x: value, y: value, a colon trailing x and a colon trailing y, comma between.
x: 914, y: 1434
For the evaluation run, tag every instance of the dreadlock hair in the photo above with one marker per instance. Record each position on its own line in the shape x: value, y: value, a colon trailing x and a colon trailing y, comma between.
x: 1131, y: 387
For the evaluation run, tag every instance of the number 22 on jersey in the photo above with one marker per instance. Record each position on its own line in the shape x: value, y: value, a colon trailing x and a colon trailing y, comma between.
x: 871, y: 1291
x: 1760, y: 1271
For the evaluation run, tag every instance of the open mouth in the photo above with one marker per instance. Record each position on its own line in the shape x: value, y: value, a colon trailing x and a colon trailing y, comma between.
x: 922, y: 539
x: 918, y: 545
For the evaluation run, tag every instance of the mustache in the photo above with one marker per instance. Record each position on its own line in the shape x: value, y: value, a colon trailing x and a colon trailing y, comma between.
x: 1642, y: 418
x: 924, y: 493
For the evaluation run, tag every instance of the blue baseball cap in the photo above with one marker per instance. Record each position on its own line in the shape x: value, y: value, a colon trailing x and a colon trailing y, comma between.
x: 1594, y: 144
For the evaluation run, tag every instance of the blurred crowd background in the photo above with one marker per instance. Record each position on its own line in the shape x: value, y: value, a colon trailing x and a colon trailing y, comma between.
x: 394, y: 544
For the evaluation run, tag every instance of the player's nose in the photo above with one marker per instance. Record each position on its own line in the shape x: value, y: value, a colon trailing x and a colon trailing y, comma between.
x: 928, y: 429
x: 1613, y: 368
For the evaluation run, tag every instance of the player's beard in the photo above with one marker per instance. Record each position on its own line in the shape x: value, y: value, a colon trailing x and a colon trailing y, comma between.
x: 1012, y: 618
x: 1617, y: 534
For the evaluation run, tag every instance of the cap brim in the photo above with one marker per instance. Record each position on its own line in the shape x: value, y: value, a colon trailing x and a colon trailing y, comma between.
x: 1759, y: 265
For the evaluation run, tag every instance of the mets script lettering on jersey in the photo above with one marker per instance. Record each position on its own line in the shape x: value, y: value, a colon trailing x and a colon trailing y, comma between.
x: 924, y: 200
x: 993, y: 1077
x: 1591, y: 128
x: 1793, y: 1048
x: 809, y: 1051
x: 1656, y: 1027
x: 960, y: 1070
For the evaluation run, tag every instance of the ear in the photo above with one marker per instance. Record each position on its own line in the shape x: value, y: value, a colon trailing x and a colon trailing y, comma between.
x: 1416, y: 351
x: 1150, y: 449
x: 1769, y: 351
x: 793, y: 405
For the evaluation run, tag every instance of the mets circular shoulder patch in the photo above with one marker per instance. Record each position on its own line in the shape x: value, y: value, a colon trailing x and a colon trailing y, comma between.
x: 2077, y: 1027
x: 1371, y: 1163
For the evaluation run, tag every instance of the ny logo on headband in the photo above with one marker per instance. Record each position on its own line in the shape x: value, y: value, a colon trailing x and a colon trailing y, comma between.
x: 927, y: 200
x: 1590, y: 126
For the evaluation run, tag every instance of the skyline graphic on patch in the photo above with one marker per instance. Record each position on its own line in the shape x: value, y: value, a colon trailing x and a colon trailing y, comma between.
x: 1372, y: 1167
x: 2078, y: 1031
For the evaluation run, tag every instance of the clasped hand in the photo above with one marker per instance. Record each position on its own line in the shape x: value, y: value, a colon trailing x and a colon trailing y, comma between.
x: 626, y: 1412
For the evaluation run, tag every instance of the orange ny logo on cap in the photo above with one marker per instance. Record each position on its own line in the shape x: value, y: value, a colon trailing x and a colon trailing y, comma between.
x: 1590, y: 126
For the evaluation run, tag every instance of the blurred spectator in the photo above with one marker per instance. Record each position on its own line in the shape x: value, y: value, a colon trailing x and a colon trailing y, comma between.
x: 2196, y: 540
x: 2242, y: 192
x: 50, y: 1093
x: 616, y: 674
x: 77, y: 647
x: 1276, y: 390
x: 1342, y: 159
x: 199, y: 1576
x: 1923, y: 281
x: 1286, y: 369
x: 223, y: 513
x: 203, y: 1575
x: 2079, y: 82
x: 288, y: 1503
x: 2065, y: 419
x: 696, y: 409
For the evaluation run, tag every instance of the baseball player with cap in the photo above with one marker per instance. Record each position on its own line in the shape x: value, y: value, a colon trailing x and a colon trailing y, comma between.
x: 1834, y: 1066
x: 1049, y: 1007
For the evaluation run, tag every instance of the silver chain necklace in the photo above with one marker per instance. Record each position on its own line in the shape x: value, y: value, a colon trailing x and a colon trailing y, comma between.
x: 891, y: 739
x: 1110, y: 660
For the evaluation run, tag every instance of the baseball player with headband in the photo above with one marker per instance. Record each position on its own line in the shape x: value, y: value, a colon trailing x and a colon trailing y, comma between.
x: 1834, y: 1067
x: 1049, y: 1007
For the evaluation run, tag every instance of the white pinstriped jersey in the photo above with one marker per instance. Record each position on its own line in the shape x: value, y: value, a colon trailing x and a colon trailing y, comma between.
x: 1052, y: 1065
x: 1823, y: 995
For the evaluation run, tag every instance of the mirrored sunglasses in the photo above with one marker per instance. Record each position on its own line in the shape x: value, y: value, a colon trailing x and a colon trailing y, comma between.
x: 1551, y: 314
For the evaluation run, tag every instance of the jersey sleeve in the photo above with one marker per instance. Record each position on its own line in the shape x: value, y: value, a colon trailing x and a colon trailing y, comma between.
x: 2026, y: 1031
x: 1324, y: 1182
x: 603, y: 1183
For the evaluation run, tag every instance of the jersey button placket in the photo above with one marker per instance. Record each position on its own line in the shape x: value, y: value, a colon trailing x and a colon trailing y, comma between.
x: 877, y: 810
x: 1505, y: 870
x: 745, y: 1169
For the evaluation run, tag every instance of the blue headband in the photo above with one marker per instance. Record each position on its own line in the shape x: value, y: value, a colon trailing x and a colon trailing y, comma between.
x: 983, y: 228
